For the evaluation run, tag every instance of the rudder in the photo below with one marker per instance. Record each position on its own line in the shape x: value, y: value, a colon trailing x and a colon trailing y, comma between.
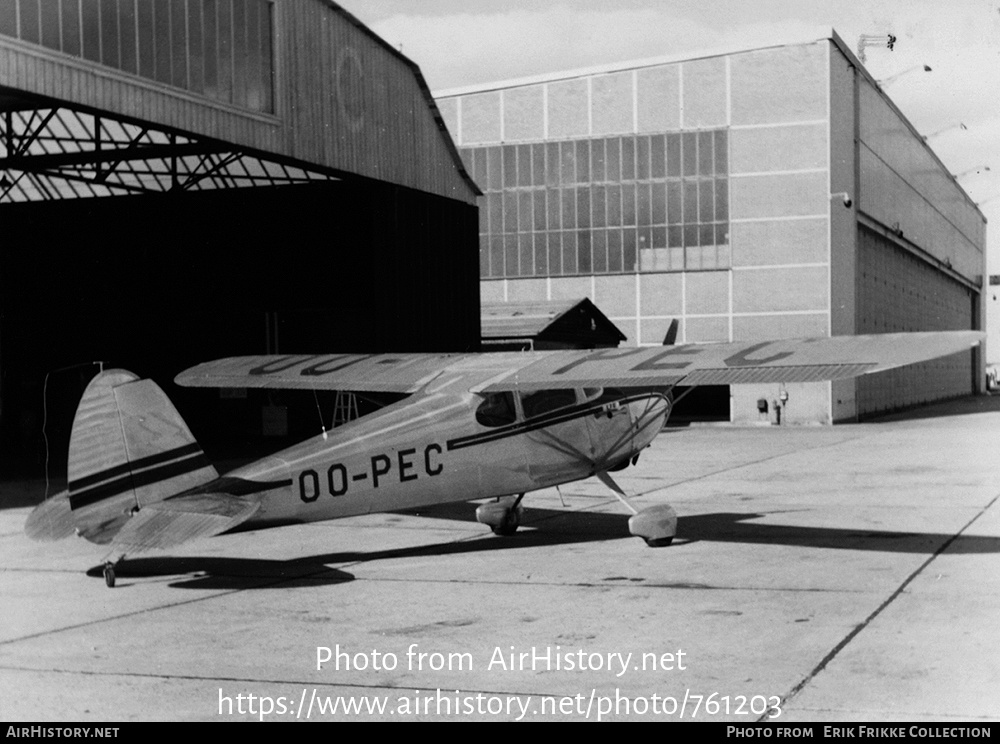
x: 129, y: 447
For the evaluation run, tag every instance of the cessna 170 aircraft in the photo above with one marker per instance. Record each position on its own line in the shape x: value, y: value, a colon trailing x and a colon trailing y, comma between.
x: 474, y: 426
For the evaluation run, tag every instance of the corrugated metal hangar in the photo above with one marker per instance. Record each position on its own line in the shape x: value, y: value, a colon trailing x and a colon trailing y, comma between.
x: 186, y: 179
x: 757, y: 194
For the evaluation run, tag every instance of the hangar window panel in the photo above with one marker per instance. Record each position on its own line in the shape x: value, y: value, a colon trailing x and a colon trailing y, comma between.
x: 628, y: 204
x: 146, y: 35
x: 569, y: 208
x: 689, y: 155
x: 29, y: 20
x: 240, y: 54
x: 569, y: 264
x: 127, y: 36
x: 614, y: 202
x: 91, y: 26
x: 555, y: 252
x: 657, y: 155
x: 659, y: 202
x: 540, y: 212
x: 510, y: 256
x: 224, y: 42
x: 628, y: 158
x: 629, y: 243
x: 541, y: 255
x: 50, y: 24
x: 525, y: 216
x: 109, y: 34
x: 494, y: 208
x: 8, y: 19
x: 641, y: 158
x: 510, y: 212
x: 484, y: 255
x: 643, y: 214
x: 553, y: 200
x: 705, y: 157
x: 255, y: 91
x: 598, y: 209
x: 538, y: 165
x: 267, y: 57
x: 583, y: 207
x: 565, y: 195
x: 582, y: 161
x: 583, y: 256
x: 552, y: 169
x: 673, y: 155
x: 613, y: 159
x: 526, y: 249
x: 523, y: 165
x: 675, y: 214
x: 509, y: 167
x: 161, y: 39
x: 721, y: 153
x: 210, y: 48
x: 196, y: 51
x: 599, y: 249
x: 567, y: 157
x: 70, y: 21
x: 597, y: 166
x: 496, y: 257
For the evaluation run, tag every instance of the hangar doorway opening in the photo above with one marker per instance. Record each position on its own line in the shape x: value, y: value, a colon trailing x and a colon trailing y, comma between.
x: 705, y: 403
x: 157, y: 283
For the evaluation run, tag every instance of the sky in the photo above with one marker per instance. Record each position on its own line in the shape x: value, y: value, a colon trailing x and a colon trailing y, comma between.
x: 466, y: 42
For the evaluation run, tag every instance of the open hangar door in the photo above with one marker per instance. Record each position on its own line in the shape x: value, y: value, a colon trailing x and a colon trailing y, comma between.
x: 156, y: 283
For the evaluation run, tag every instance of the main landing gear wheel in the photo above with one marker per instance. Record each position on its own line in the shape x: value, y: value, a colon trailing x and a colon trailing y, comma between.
x: 657, y: 524
x: 109, y: 574
x: 502, y: 517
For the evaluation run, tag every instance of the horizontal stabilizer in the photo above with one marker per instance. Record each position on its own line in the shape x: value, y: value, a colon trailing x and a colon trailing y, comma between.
x: 166, y: 524
x: 51, y: 520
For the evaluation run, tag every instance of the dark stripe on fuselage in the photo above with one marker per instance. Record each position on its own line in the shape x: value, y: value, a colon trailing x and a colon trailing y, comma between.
x: 136, y: 480
x: 143, y: 462
x: 233, y: 486
x: 560, y: 416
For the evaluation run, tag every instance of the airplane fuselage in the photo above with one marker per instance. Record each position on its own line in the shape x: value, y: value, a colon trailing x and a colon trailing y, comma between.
x: 452, y: 446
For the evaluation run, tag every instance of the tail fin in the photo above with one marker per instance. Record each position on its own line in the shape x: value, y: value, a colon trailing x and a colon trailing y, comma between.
x: 128, y: 448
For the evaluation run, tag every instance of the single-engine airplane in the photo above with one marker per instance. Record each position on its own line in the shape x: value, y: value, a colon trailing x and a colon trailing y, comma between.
x: 474, y: 426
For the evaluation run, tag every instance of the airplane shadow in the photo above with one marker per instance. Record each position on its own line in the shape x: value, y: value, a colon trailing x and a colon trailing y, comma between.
x: 544, y: 527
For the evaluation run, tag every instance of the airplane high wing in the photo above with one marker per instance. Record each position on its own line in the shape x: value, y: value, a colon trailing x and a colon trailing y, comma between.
x: 799, y: 360
x: 474, y: 426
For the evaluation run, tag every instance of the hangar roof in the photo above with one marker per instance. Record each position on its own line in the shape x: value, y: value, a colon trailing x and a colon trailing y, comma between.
x: 559, y: 324
x: 245, y: 92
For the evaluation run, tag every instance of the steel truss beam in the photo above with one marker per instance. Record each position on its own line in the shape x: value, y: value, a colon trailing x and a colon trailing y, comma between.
x: 52, y: 152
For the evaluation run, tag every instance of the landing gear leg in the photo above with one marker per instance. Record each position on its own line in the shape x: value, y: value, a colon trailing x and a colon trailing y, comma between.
x: 657, y: 525
x: 502, y: 517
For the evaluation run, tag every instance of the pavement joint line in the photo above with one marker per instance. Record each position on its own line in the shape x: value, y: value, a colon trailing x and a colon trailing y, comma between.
x: 253, y: 680
x: 610, y: 584
x: 878, y: 611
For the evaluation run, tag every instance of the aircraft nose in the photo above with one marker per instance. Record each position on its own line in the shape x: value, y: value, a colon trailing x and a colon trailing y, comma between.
x: 649, y: 414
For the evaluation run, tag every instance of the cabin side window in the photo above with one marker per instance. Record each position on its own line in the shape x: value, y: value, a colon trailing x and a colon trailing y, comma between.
x: 497, y: 409
x: 543, y: 401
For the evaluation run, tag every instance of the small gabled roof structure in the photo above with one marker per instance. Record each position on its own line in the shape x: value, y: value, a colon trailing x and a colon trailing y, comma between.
x: 560, y: 324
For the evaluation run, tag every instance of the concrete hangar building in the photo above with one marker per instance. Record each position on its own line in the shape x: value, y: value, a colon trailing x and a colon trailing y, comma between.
x: 187, y: 179
x: 758, y: 194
